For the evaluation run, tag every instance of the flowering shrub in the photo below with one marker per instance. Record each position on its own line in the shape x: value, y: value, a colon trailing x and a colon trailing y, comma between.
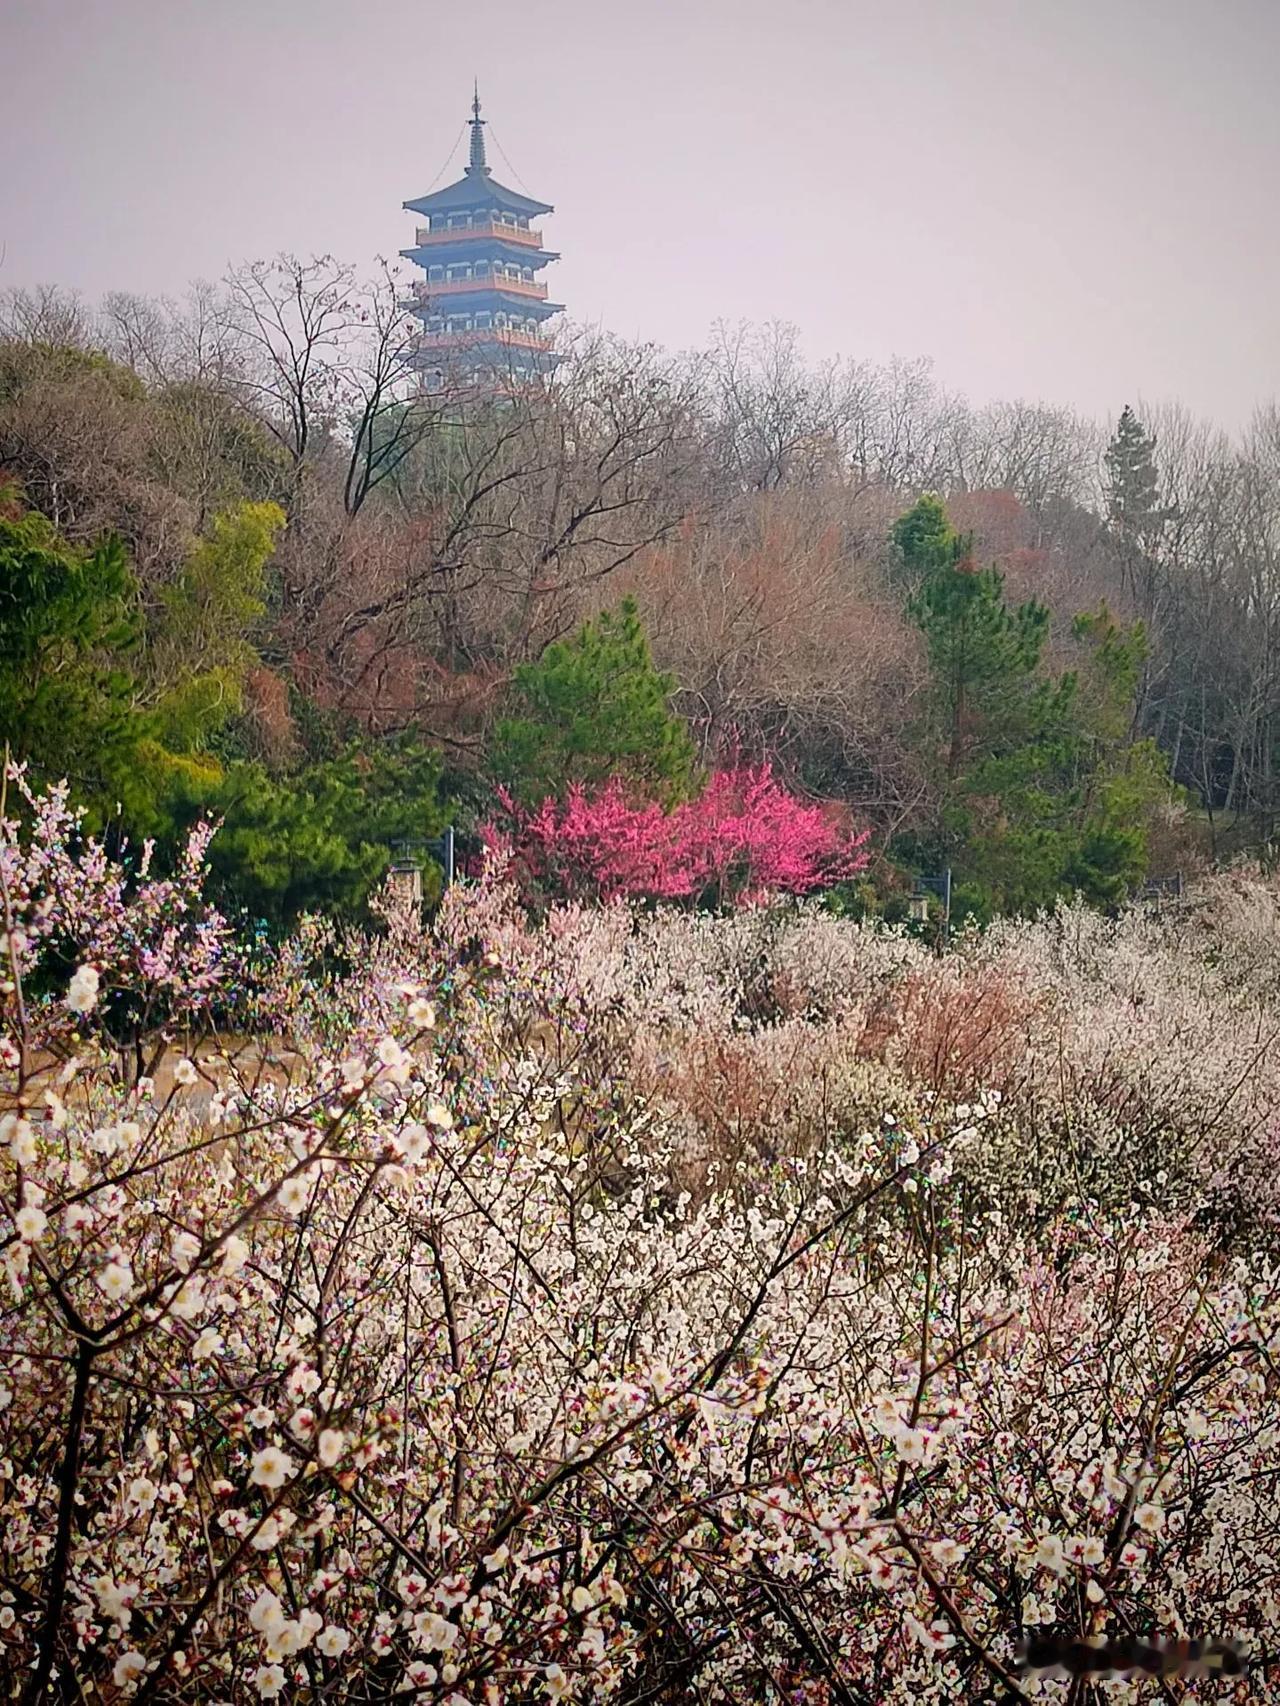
x: 145, y: 949
x: 379, y: 1379
x: 1131, y: 1053
x: 742, y: 840
x: 402, y: 1409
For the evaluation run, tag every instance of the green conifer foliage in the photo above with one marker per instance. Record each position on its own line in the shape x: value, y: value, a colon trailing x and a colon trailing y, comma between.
x: 1133, y: 488
x: 321, y: 838
x: 926, y: 538
x: 983, y: 656
x: 1044, y: 788
x: 592, y: 707
x: 1138, y: 516
x: 202, y: 648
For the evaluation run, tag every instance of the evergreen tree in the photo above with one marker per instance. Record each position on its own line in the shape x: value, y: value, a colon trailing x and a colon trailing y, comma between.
x: 321, y: 839
x: 1044, y: 789
x: 74, y: 703
x: 1132, y: 484
x: 1124, y: 777
x: 1136, y: 511
x: 927, y: 540
x: 201, y: 649
x: 129, y: 718
x: 593, y: 707
x: 983, y: 656
x: 69, y: 630
x: 1069, y: 810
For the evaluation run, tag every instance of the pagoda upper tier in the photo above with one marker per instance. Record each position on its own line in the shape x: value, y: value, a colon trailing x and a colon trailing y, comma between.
x: 481, y: 305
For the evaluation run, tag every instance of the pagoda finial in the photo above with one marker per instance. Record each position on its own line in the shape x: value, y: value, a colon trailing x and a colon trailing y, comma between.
x: 478, y: 163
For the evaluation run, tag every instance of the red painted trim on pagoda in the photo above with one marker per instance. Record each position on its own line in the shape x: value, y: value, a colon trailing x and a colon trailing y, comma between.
x: 470, y: 340
x: 426, y: 238
x: 480, y: 286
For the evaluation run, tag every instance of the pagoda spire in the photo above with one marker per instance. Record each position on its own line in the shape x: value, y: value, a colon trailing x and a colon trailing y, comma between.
x: 478, y: 162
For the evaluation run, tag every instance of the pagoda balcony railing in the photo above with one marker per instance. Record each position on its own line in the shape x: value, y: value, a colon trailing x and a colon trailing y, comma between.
x: 443, y: 341
x: 430, y: 289
x: 427, y: 235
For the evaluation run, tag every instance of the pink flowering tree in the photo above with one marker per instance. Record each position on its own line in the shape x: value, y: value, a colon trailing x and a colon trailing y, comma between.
x: 145, y: 950
x: 743, y: 840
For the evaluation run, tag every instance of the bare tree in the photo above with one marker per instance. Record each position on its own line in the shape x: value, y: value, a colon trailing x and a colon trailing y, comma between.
x: 786, y: 640
x: 137, y: 331
x: 75, y: 432
x: 773, y: 421
x: 46, y: 315
x: 1040, y: 454
x: 546, y: 493
x: 327, y: 363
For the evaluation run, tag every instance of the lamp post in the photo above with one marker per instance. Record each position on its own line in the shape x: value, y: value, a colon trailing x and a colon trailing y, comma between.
x: 1160, y: 889
x: 406, y: 862
x: 441, y: 850
x: 940, y: 885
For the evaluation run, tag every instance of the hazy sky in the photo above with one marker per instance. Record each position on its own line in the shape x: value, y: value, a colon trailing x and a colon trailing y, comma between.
x: 1070, y: 200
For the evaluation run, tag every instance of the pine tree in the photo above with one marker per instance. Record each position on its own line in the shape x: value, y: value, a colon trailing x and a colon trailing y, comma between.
x: 320, y: 839
x: 1136, y: 511
x: 1044, y: 789
x: 69, y: 634
x: 983, y: 656
x: 927, y: 540
x: 591, y: 708
x: 1133, y: 486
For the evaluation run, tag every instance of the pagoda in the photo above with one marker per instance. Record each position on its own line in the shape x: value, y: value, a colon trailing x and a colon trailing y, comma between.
x: 481, y: 304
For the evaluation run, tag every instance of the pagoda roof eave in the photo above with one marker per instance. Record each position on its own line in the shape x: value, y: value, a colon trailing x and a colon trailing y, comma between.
x: 477, y: 189
x: 468, y: 301
x: 434, y: 254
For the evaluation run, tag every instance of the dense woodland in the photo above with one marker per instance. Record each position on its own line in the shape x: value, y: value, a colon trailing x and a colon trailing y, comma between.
x: 250, y: 572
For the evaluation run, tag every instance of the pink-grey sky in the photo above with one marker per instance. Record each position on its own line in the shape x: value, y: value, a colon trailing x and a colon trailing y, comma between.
x: 1062, y: 200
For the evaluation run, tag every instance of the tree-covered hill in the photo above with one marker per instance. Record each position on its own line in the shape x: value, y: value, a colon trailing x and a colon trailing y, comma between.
x: 250, y: 570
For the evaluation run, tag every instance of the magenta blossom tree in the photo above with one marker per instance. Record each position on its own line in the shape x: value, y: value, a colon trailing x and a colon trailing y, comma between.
x: 744, y: 840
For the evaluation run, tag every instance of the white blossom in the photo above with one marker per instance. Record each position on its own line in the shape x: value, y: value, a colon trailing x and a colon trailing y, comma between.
x: 269, y: 1680
x: 271, y: 1467
x: 129, y: 1668
x: 82, y: 991
x: 330, y: 1446
x: 30, y: 1223
x: 21, y: 1139
x: 115, y: 1280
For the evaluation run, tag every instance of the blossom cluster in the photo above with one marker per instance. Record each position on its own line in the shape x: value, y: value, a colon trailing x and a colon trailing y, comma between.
x: 144, y: 947
x: 1134, y: 1055
x: 409, y: 1363
x: 743, y: 840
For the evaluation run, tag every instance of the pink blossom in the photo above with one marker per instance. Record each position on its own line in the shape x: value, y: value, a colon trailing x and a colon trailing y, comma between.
x: 741, y: 840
